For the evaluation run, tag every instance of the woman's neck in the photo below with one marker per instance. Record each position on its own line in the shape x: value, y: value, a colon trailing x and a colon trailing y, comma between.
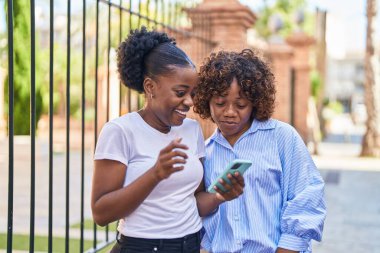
x: 153, y: 120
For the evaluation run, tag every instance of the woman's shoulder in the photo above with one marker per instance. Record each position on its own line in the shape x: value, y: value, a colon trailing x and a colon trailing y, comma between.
x: 125, y: 122
x: 274, y: 127
x: 282, y: 128
x: 286, y: 134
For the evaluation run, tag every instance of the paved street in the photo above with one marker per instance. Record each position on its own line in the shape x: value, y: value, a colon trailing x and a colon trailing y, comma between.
x: 352, y: 192
x: 353, y: 202
x: 22, y: 187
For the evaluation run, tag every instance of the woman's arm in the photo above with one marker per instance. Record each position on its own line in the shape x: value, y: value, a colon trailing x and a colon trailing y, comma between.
x: 304, y: 210
x: 111, y: 201
x: 208, y: 202
x: 281, y: 250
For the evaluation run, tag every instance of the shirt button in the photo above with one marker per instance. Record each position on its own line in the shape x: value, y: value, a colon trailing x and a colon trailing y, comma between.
x: 236, y: 217
x: 238, y: 242
x: 155, y: 249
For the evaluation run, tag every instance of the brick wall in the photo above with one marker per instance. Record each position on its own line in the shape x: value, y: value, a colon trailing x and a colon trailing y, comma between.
x: 227, y: 23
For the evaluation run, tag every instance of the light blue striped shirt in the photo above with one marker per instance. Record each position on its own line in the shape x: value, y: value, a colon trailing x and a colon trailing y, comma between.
x: 283, y: 201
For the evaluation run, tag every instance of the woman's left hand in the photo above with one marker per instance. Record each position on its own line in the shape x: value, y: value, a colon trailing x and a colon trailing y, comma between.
x: 233, y: 190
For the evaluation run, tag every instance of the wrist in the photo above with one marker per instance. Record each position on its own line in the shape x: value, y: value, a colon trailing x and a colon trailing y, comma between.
x: 282, y: 250
x: 218, y: 201
x: 155, y: 175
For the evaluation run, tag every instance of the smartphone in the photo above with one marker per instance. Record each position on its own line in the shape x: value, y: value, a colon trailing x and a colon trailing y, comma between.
x: 239, y: 165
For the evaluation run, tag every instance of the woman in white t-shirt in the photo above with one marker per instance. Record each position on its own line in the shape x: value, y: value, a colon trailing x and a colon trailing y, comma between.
x: 148, y: 170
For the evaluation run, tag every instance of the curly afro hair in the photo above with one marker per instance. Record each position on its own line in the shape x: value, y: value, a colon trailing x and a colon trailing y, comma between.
x: 147, y: 53
x: 252, y: 74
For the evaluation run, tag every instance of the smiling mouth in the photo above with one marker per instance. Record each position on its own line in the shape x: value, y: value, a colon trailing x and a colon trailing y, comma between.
x: 183, y: 113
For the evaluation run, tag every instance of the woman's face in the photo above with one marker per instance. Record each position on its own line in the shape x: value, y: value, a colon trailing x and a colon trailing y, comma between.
x: 173, y: 95
x: 231, y: 112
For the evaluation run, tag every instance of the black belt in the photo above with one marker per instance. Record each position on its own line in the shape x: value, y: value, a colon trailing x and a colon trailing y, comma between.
x: 122, y: 238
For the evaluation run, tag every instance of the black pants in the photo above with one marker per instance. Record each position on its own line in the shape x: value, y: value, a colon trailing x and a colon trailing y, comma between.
x: 186, y: 244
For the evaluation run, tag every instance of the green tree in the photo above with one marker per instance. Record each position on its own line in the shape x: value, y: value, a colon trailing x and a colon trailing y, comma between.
x: 59, y: 72
x: 286, y: 9
x: 22, y: 69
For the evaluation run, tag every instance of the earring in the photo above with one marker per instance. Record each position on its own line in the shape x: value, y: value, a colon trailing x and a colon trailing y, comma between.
x: 151, y: 95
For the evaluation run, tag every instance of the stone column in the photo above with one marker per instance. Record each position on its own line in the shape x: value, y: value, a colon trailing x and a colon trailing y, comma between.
x: 227, y: 22
x: 281, y: 56
x: 301, y: 43
x: 224, y: 23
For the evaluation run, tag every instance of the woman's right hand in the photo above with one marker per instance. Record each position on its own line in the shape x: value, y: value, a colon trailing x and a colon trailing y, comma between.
x: 233, y: 190
x: 169, y: 158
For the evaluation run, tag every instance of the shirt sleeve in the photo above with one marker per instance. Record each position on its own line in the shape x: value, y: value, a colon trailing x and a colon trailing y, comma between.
x: 304, y: 209
x: 112, y: 144
x: 200, y: 143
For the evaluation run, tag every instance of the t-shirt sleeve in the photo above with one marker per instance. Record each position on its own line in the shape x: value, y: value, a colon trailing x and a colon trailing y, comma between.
x: 112, y: 144
x: 200, y: 143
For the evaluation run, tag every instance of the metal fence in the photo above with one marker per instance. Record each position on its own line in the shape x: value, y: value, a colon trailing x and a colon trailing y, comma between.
x: 121, y: 16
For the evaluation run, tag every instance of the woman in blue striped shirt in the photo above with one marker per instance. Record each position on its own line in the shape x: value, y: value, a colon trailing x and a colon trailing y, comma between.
x: 283, y: 207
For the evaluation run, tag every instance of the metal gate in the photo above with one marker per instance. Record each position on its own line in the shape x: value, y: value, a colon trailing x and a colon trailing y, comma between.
x: 61, y: 175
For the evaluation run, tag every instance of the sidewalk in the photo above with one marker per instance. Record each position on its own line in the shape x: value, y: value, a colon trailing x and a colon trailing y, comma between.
x: 21, y: 201
x: 353, y: 203
x: 352, y: 193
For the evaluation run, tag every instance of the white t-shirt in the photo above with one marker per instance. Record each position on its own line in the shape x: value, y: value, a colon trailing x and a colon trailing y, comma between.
x: 170, y: 210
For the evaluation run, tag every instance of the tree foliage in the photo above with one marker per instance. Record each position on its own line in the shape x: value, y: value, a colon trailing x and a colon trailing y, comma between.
x: 286, y: 9
x: 22, y: 69
x: 22, y: 65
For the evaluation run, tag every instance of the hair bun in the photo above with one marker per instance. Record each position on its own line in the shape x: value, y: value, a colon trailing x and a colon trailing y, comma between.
x: 132, y: 52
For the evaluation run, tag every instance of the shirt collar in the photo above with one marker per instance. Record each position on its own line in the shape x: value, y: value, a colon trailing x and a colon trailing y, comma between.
x: 255, y: 126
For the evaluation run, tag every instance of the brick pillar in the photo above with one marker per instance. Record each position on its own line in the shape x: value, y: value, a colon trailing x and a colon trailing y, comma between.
x: 190, y: 46
x: 225, y: 24
x: 281, y: 56
x: 228, y: 21
x: 301, y: 44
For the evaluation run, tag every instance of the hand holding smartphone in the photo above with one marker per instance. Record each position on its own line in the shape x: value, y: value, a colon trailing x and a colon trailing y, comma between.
x: 239, y: 165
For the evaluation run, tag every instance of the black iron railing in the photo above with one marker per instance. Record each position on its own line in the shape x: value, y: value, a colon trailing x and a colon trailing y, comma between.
x: 163, y: 15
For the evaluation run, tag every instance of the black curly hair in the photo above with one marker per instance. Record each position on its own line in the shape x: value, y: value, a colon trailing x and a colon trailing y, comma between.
x: 252, y: 74
x: 148, y: 54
